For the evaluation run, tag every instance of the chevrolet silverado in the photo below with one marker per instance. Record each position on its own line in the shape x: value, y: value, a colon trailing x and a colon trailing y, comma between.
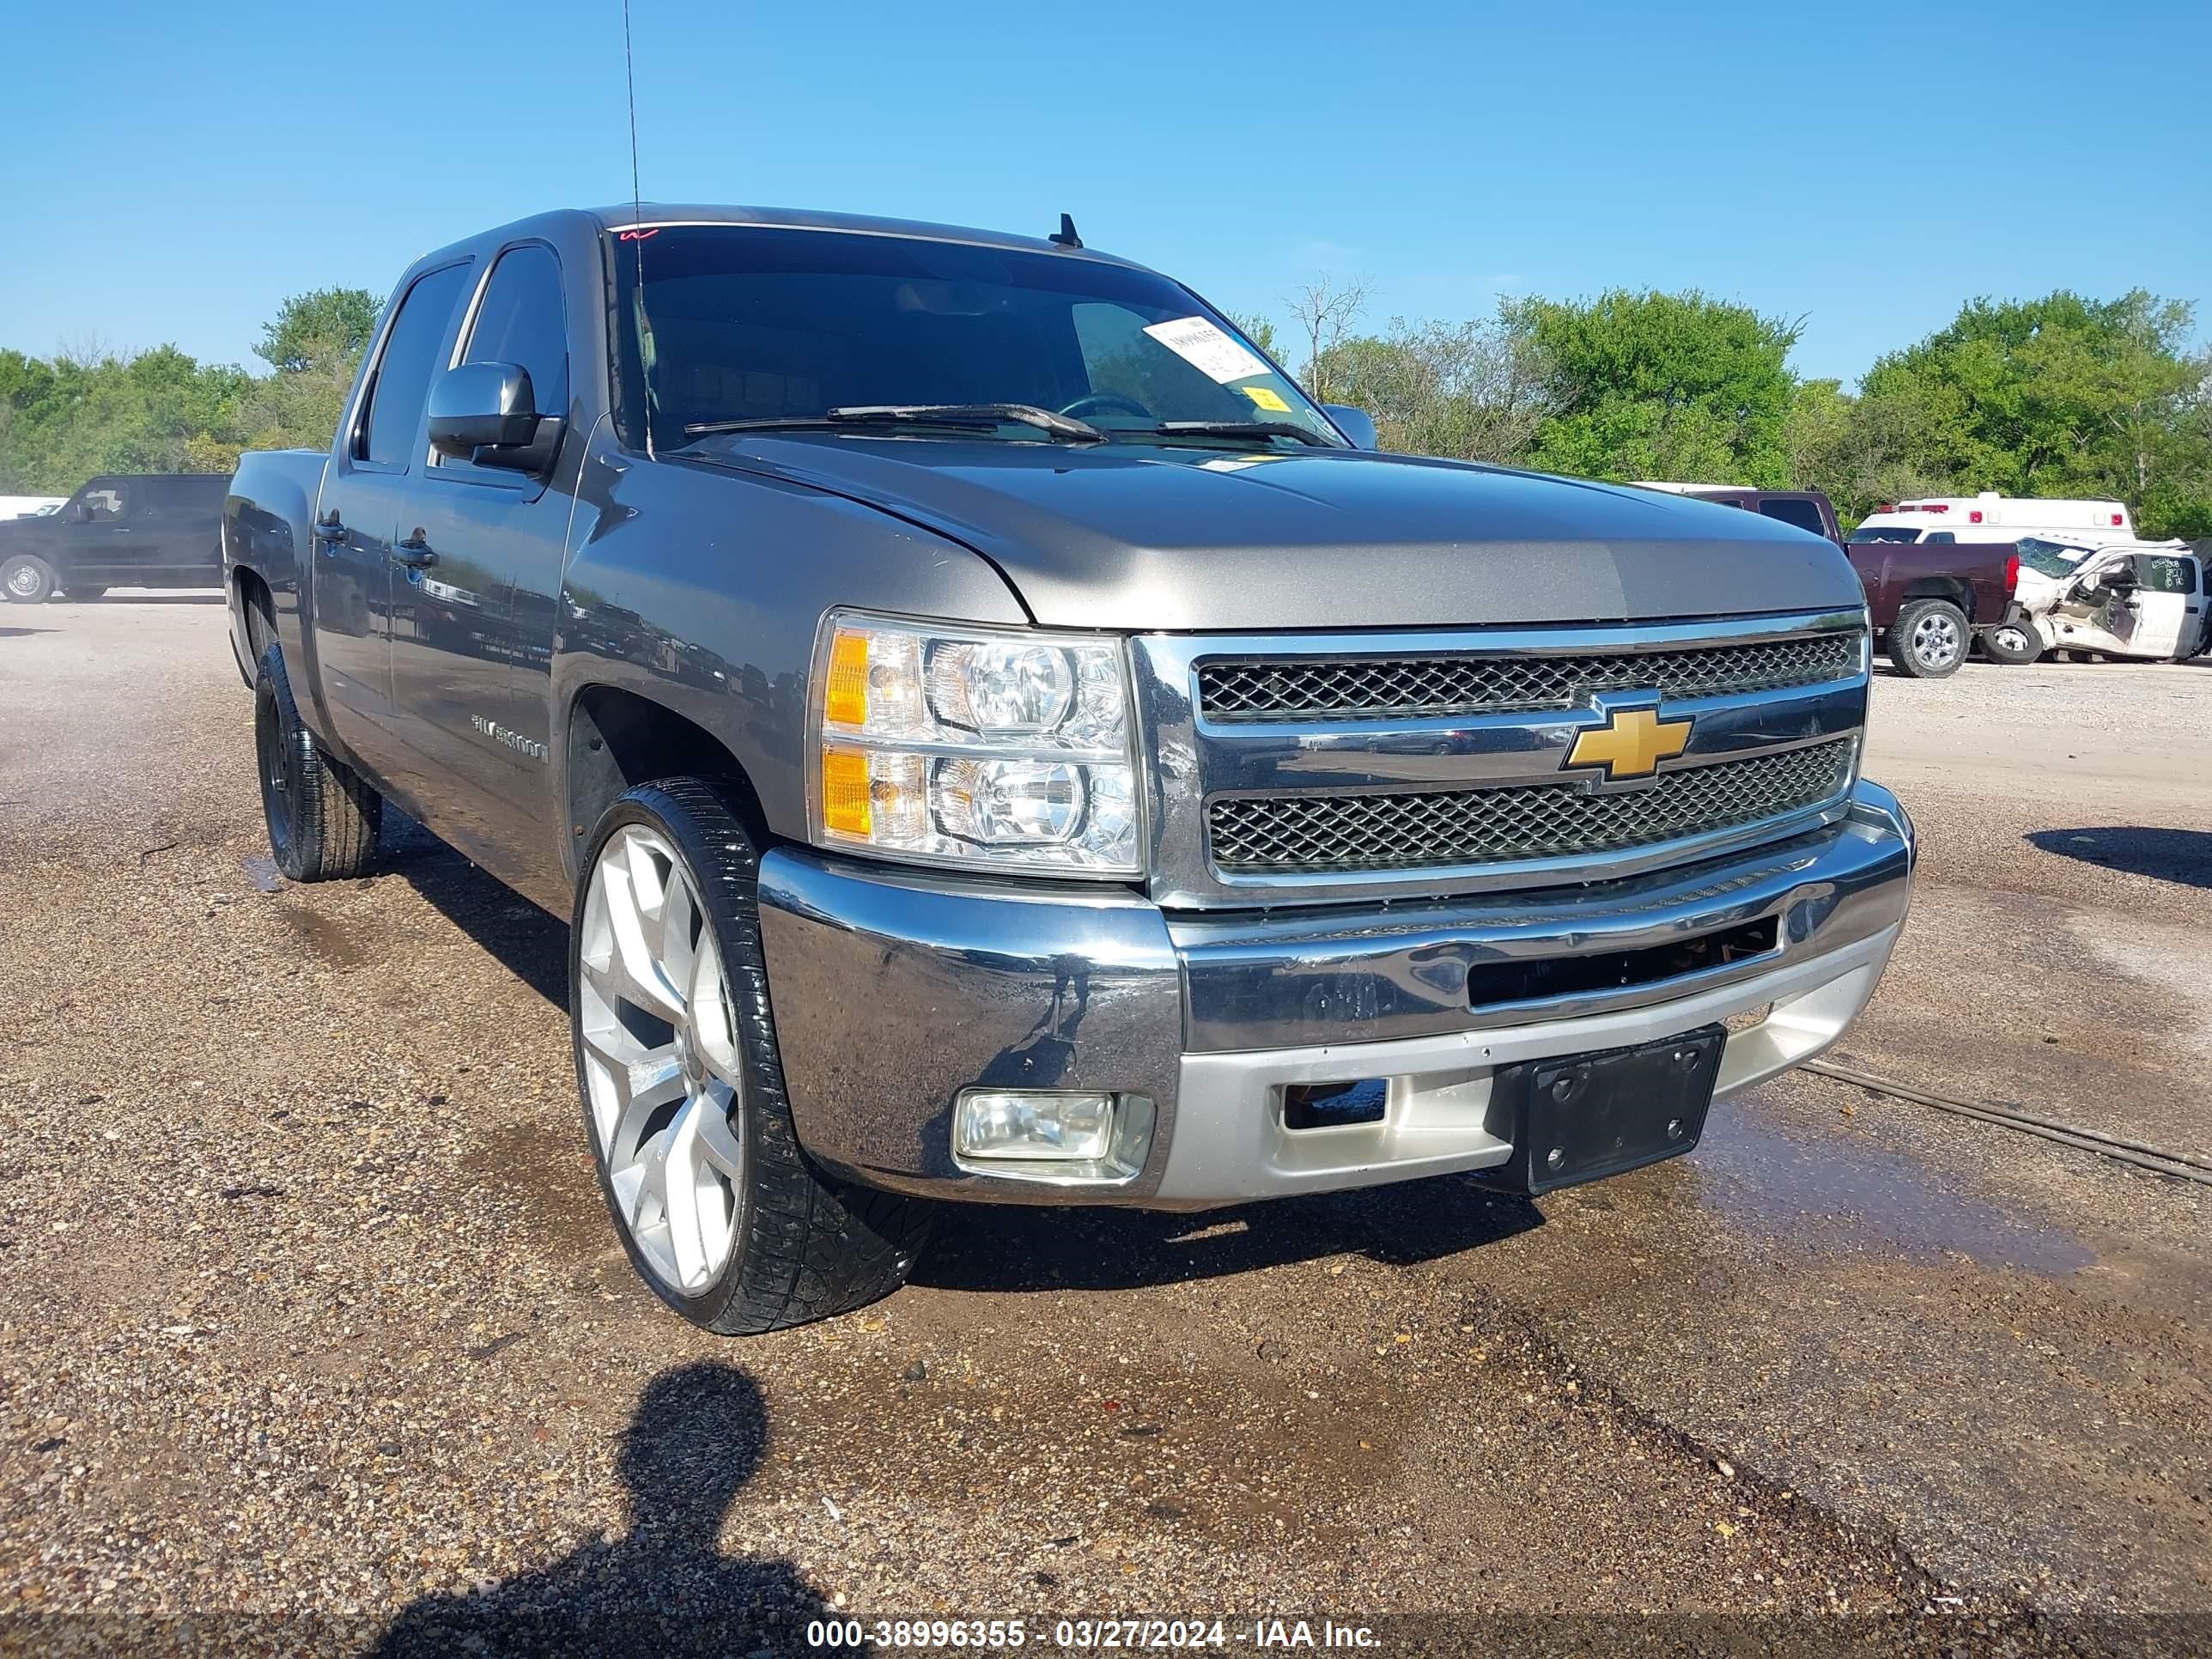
x: 995, y: 738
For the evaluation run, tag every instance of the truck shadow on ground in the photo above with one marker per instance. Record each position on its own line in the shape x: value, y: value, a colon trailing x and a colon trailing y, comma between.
x: 116, y: 600
x: 662, y: 1588
x: 1013, y: 1248
x: 529, y: 944
x: 2176, y: 855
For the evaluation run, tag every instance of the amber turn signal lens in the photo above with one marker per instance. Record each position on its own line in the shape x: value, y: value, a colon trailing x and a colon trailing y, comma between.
x: 845, y: 790
x: 847, y: 701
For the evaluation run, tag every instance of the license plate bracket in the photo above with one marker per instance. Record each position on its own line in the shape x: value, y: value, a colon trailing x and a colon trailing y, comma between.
x: 1582, y: 1117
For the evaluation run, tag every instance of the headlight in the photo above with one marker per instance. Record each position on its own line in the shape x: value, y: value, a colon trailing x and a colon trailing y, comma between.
x: 980, y: 746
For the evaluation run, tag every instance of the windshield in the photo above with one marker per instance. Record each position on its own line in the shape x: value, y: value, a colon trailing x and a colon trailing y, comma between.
x: 740, y: 324
x: 2049, y: 558
x: 1885, y: 532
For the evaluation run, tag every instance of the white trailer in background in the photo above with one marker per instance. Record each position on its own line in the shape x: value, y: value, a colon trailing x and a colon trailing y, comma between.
x: 1990, y: 517
x: 24, y: 507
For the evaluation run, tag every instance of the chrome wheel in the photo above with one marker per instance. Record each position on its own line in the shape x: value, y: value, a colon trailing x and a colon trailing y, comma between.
x: 1935, y: 640
x: 662, y: 1072
x: 23, y: 581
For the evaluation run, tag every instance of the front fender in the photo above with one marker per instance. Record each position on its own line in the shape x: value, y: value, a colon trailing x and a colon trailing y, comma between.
x: 702, y: 590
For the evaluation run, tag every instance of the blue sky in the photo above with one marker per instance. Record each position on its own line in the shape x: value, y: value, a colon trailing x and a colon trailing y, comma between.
x: 174, y: 169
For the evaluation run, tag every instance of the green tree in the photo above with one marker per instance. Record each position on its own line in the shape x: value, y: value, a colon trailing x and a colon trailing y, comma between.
x: 86, y: 410
x: 310, y: 330
x: 1255, y: 328
x: 1662, y: 386
x: 1474, y: 390
x: 2058, y: 396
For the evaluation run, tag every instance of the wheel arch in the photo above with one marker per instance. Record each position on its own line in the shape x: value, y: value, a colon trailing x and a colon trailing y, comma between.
x: 618, y: 738
x: 1956, y: 589
x: 253, y: 617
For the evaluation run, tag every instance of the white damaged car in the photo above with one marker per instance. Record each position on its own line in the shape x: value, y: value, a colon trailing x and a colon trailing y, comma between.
x: 2144, y: 600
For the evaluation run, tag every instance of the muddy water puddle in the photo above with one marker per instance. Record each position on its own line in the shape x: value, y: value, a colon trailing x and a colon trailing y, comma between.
x: 1836, y: 1192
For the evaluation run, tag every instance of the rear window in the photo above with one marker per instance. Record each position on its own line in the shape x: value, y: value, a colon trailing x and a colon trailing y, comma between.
x: 1887, y: 532
x: 1806, y: 515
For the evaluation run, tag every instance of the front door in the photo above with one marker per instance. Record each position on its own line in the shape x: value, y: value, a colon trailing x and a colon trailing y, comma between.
x: 2089, y: 615
x: 355, y: 521
x: 461, y: 647
x: 115, y: 538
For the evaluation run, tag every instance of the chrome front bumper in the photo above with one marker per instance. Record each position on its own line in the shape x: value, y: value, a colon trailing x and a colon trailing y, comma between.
x: 895, y: 991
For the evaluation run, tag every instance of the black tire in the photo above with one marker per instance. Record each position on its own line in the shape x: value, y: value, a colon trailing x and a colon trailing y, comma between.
x: 83, y: 593
x: 323, y: 820
x: 1928, y: 640
x: 805, y: 1246
x: 27, y: 578
x: 2015, y: 644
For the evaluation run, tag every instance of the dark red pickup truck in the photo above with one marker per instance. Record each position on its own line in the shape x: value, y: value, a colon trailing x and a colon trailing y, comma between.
x: 1930, y: 592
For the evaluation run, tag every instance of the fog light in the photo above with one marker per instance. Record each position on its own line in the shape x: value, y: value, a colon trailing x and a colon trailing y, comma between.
x: 1069, y: 1128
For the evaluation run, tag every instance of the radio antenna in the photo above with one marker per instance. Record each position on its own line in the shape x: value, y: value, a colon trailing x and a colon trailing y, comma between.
x: 635, y: 235
x: 629, y: 78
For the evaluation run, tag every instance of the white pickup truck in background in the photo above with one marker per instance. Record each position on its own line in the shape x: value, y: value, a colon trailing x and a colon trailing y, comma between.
x: 2144, y: 600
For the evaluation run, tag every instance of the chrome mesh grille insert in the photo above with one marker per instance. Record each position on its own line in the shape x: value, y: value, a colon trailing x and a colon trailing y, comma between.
x: 1400, y: 687
x: 1446, y: 828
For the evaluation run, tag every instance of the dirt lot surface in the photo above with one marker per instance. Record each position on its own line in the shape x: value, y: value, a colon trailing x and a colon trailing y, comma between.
x: 309, y: 1306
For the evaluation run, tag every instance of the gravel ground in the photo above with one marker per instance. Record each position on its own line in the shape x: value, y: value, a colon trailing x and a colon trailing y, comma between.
x: 314, y: 1332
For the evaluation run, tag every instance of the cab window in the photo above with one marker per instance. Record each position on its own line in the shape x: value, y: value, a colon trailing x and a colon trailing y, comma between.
x: 386, y: 430
x: 2163, y: 573
x: 522, y: 321
x: 1806, y: 515
x: 104, y: 503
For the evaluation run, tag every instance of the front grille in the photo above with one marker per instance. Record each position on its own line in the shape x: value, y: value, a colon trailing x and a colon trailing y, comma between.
x: 1400, y: 687
x: 1447, y: 828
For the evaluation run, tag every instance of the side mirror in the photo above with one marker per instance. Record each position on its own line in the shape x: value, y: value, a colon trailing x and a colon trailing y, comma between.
x: 77, y: 513
x: 1355, y: 424
x: 488, y: 413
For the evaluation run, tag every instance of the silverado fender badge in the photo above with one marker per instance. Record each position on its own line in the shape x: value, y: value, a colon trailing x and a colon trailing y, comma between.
x: 1630, y: 743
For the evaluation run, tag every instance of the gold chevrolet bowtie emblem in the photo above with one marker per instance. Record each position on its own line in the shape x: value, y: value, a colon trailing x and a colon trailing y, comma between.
x: 1630, y: 743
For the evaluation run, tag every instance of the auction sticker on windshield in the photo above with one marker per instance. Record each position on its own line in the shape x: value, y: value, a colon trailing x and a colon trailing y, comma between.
x: 1206, y: 349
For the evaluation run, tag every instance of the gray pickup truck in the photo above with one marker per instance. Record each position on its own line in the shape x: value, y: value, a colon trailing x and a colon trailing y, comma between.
x: 996, y: 738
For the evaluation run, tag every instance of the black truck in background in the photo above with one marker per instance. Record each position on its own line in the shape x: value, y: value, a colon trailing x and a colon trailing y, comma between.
x: 118, y: 530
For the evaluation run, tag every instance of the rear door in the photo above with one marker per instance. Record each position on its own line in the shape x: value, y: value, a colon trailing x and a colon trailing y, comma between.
x: 190, y: 508
x: 2160, y: 612
x: 364, y: 495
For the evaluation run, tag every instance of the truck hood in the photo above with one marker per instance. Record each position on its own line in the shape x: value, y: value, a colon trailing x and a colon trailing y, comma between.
x: 1141, y: 536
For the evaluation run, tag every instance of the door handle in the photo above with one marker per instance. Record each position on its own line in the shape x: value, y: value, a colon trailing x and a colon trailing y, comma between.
x: 414, y: 553
x: 331, y: 529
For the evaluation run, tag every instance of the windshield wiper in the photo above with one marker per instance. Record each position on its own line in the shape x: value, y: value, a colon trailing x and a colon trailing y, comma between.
x: 1304, y: 434
x: 980, y: 417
